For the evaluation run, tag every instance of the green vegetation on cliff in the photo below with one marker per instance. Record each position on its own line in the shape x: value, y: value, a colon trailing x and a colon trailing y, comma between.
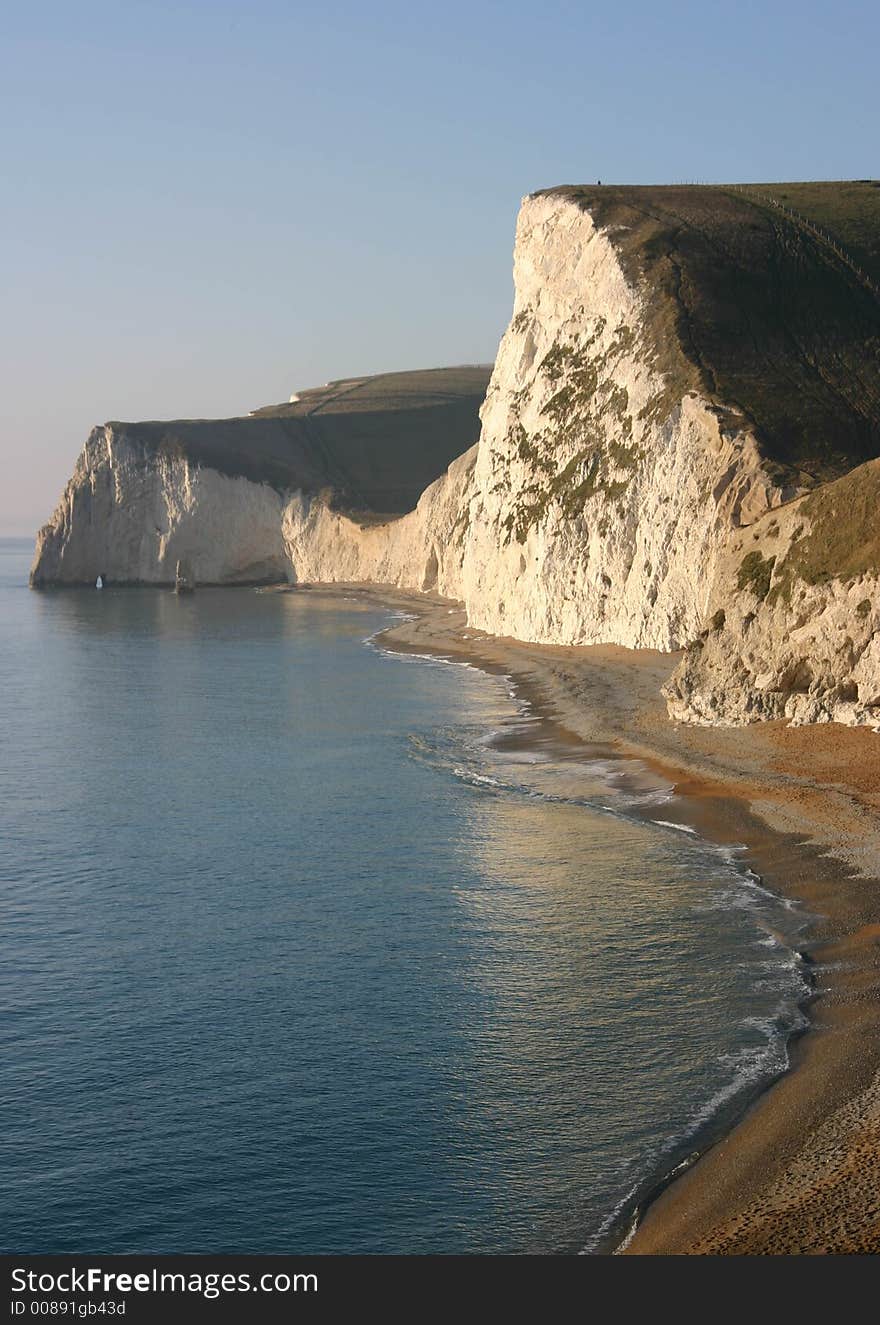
x: 840, y: 538
x: 755, y: 573
x: 759, y: 311
x: 835, y: 535
x: 588, y: 413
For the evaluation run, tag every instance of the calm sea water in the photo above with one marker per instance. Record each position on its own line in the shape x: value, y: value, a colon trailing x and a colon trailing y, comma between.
x: 311, y: 949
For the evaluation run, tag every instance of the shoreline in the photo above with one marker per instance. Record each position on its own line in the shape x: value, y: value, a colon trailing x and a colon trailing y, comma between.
x: 796, y: 1169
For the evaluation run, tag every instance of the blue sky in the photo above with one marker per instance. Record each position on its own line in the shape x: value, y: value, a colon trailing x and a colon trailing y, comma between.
x: 206, y: 205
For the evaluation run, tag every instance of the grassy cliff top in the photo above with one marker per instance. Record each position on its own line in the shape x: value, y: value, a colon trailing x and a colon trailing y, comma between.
x: 754, y: 307
x: 847, y: 209
x: 422, y: 388
x: 375, y: 443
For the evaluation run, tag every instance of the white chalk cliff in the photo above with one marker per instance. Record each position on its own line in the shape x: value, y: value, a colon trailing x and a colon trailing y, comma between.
x: 784, y: 637
x: 607, y: 499
x: 129, y: 513
x: 591, y: 509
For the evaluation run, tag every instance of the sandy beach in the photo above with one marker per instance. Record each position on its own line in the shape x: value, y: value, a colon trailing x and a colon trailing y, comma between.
x: 800, y: 1172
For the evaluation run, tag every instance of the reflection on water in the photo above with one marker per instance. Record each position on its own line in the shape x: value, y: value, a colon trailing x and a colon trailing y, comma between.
x: 312, y: 948
x: 631, y: 938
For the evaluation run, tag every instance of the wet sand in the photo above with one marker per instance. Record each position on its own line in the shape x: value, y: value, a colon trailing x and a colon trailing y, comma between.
x: 800, y: 1172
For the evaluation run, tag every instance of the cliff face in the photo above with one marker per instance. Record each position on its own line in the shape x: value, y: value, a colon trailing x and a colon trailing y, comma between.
x: 130, y: 512
x: 594, y: 494
x: 214, y: 492
x: 682, y: 367
x: 424, y: 550
x: 793, y: 628
x: 598, y: 492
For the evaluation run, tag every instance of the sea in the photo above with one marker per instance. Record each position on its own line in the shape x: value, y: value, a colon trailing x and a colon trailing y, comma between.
x: 313, y: 947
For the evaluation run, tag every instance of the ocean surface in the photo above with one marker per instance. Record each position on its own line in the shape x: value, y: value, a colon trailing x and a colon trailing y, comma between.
x: 311, y: 948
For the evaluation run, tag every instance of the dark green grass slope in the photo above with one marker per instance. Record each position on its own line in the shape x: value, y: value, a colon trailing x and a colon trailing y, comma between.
x: 841, y: 535
x: 848, y: 209
x: 418, y: 389
x: 371, y: 444
x: 748, y: 305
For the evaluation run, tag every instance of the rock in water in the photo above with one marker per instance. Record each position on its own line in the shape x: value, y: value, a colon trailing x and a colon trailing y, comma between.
x: 183, y: 579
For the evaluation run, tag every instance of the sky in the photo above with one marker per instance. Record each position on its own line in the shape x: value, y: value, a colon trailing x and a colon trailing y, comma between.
x: 208, y: 205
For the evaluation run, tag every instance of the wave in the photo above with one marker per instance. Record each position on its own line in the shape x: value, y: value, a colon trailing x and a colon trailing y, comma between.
x: 680, y: 828
x: 752, y: 1067
x: 505, y: 759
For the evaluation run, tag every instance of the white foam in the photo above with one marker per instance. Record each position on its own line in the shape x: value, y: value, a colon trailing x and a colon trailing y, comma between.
x: 481, y: 779
x: 608, y: 1223
x: 660, y: 797
x: 680, y: 828
x: 751, y: 1065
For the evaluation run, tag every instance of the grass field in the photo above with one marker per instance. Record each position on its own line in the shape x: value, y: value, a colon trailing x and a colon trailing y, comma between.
x: 849, y: 209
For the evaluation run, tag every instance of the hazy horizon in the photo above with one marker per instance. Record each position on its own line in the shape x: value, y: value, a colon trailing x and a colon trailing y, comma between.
x: 205, y: 212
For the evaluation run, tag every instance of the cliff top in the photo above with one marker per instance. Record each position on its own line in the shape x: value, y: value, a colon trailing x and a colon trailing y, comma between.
x: 375, y: 442
x: 388, y: 392
x: 772, y: 313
